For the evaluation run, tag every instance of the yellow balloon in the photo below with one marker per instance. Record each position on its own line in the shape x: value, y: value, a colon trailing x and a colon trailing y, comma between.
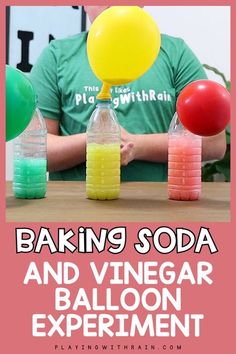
x: 123, y: 43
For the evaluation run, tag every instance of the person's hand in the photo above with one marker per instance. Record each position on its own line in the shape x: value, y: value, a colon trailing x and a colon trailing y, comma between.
x: 127, y: 147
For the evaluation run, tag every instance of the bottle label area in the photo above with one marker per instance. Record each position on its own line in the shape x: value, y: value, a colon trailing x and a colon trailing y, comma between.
x: 103, y: 171
x: 184, y: 167
x: 29, y: 178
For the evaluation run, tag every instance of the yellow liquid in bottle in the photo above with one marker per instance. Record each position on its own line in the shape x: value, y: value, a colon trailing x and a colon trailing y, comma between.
x: 103, y: 171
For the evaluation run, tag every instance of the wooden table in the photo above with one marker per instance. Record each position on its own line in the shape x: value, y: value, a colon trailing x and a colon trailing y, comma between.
x: 139, y: 201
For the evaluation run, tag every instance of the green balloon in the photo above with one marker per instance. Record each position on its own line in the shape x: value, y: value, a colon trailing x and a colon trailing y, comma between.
x: 20, y: 102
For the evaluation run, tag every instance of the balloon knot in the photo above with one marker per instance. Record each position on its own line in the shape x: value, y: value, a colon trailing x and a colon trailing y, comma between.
x: 105, y: 93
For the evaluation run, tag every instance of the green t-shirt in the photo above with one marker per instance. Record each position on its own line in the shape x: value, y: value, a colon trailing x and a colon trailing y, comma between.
x: 66, y: 88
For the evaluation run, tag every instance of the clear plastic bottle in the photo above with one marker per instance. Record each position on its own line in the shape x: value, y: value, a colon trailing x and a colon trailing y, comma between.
x: 184, y: 162
x: 103, y: 153
x: 30, y: 163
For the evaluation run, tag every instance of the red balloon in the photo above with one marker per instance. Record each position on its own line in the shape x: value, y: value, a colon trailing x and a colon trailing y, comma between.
x: 203, y: 107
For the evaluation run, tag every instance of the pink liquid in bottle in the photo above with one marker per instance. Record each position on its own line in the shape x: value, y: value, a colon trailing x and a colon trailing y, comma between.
x: 184, y: 162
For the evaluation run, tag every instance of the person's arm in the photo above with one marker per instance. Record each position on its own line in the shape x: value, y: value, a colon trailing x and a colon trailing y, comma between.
x: 154, y: 147
x: 214, y: 147
x: 63, y: 152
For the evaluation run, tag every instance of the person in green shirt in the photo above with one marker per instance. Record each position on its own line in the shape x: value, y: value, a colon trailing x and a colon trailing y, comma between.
x: 67, y: 88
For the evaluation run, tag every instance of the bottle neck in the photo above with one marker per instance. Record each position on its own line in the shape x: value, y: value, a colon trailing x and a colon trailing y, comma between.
x: 103, y: 103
